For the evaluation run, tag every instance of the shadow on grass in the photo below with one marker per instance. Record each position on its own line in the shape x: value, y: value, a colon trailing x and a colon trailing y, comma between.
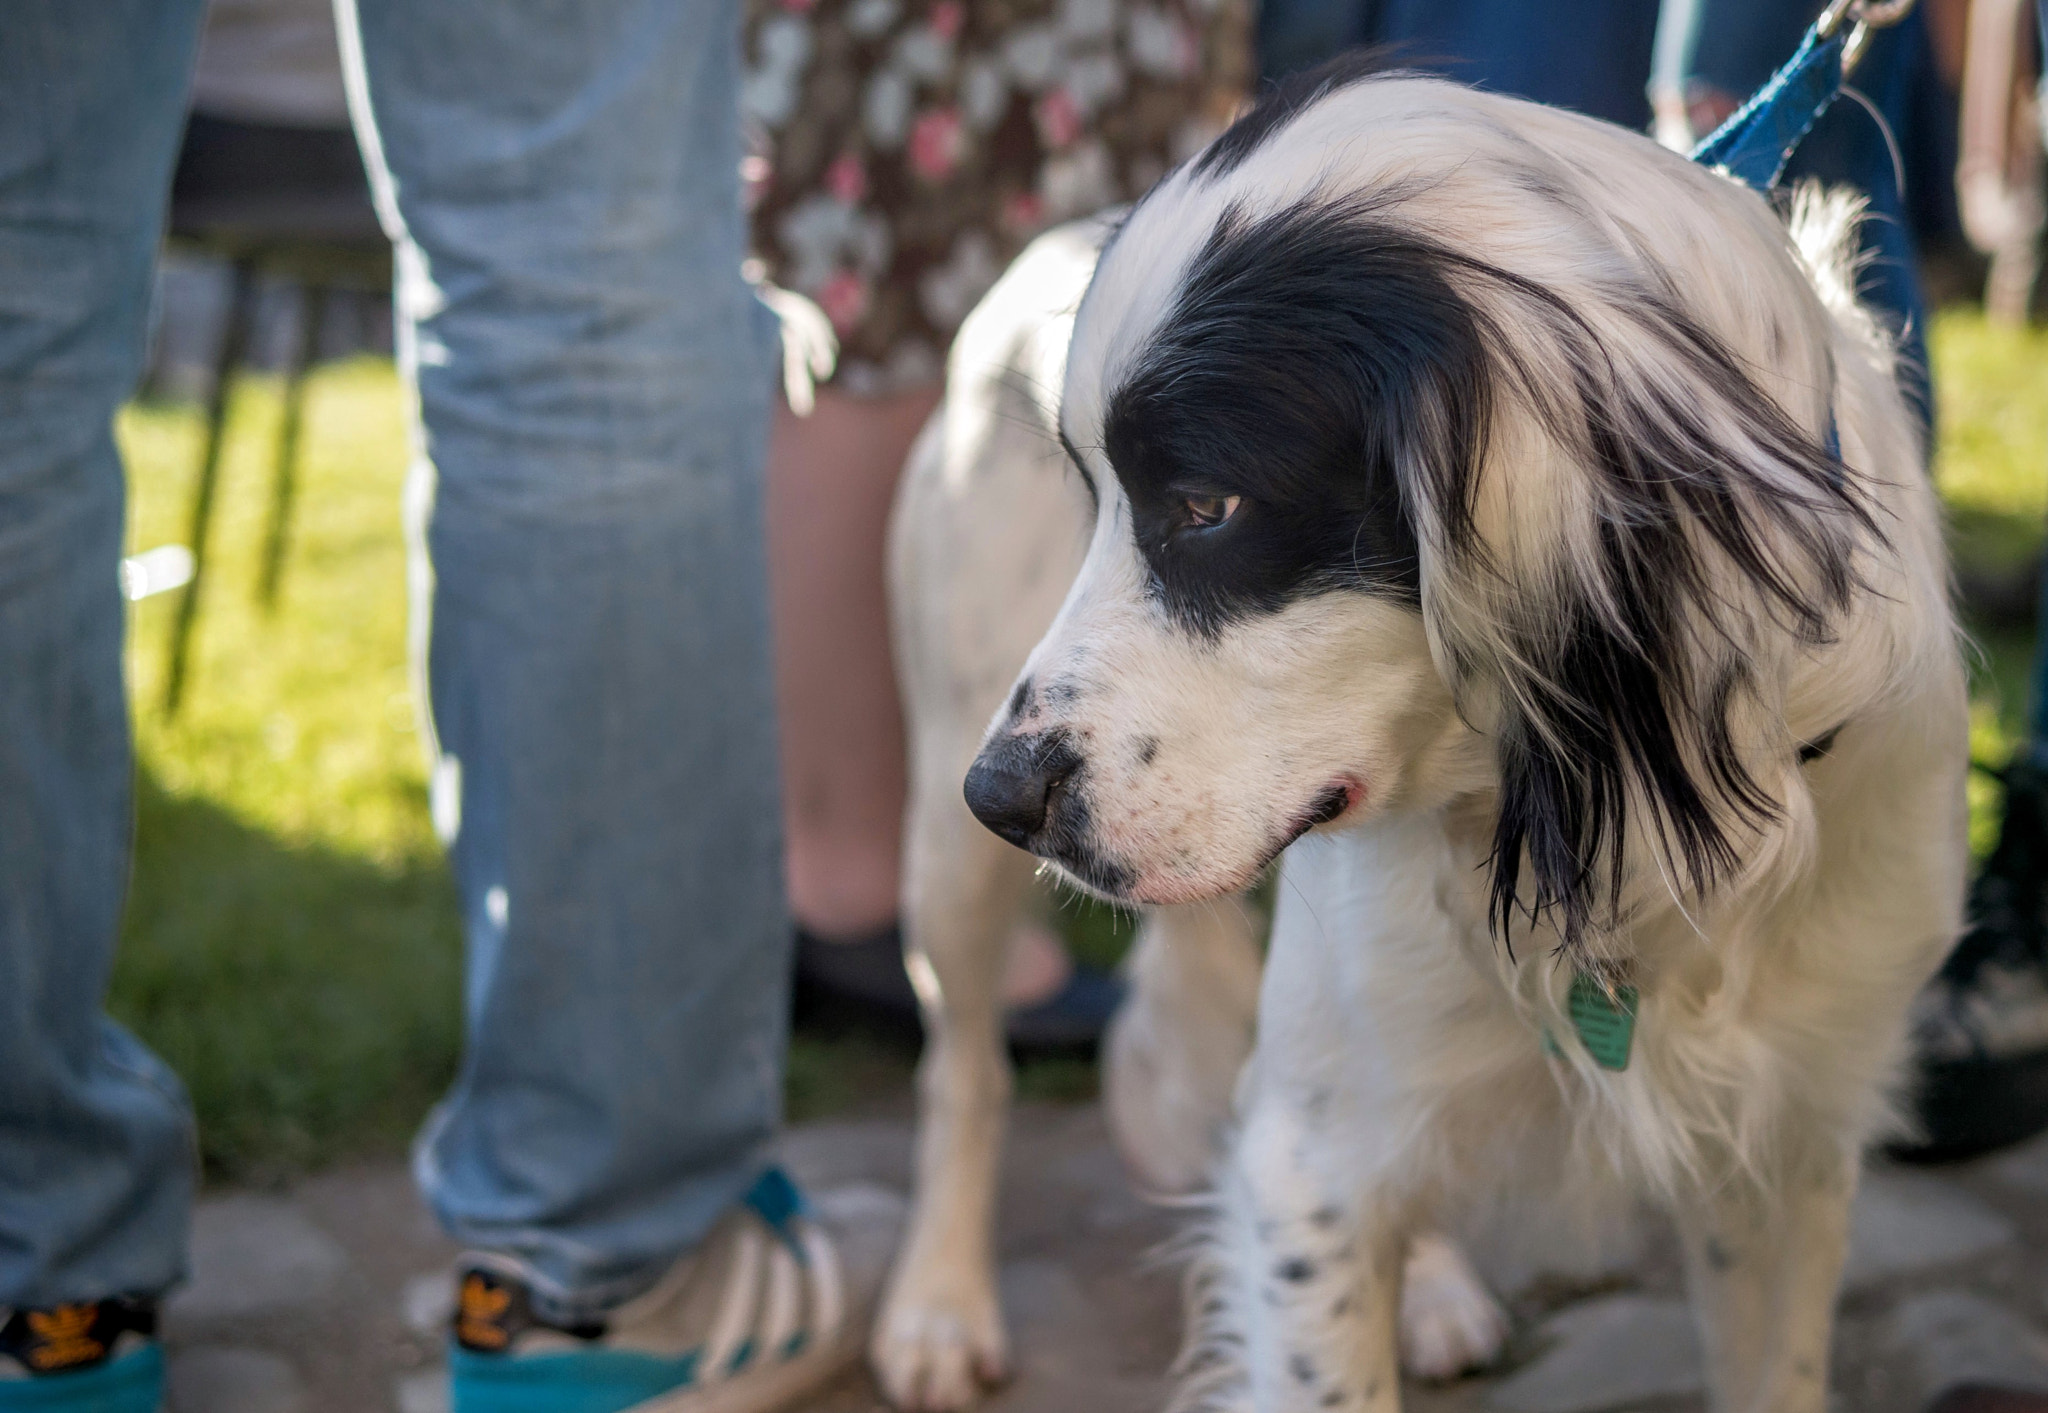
x: 310, y: 999
x: 1997, y: 558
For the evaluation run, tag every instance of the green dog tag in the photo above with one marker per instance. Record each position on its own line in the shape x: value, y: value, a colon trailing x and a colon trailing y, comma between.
x: 1606, y: 1024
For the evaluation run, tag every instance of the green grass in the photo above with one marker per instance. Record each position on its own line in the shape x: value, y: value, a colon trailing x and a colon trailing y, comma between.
x: 1992, y: 466
x: 291, y: 943
x: 1992, y: 470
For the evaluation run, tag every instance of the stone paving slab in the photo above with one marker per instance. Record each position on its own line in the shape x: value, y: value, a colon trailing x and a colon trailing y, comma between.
x: 1906, y: 1223
x: 1610, y: 1352
x: 253, y: 1253
x: 331, y: 1297
x: 1957, y: 1336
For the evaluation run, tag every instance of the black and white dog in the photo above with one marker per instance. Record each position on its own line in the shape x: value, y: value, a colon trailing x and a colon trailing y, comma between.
x: 1523, y: 525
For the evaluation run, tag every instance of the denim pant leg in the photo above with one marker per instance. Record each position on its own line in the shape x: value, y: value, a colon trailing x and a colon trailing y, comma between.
x: 96, y: 1158
x: 593, y: 381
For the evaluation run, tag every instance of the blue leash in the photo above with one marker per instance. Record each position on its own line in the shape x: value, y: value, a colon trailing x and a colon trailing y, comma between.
x: 1754, y: 145
x: 1758, y: 139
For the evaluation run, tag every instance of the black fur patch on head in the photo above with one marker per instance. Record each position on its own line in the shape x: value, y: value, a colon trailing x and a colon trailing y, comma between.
x: 1338, y: 373
x: 1308, y: 356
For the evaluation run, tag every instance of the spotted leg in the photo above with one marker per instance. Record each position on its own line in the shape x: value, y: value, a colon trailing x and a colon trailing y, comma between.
x: 1301, y: 1289
x: 1763, y: 1268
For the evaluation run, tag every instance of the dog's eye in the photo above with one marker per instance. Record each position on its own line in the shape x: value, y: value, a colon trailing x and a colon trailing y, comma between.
x: 1207, y: 512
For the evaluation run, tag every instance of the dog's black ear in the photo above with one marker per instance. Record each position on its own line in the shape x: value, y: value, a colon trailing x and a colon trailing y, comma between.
x: 1703, y: 527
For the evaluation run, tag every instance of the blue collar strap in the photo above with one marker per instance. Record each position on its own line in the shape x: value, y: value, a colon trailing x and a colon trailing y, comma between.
x: 1754, y: 145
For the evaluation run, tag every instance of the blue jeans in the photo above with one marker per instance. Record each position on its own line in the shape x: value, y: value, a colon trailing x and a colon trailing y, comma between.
x: 593, y: 383
x: 1589, y: 55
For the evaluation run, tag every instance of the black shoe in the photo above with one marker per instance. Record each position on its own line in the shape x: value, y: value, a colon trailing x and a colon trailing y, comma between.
x: 1981, y: 1398
x: 95, y: 1356
x: 1981, y: 1025
x: 1072, y: 1019
x: 864, y: 980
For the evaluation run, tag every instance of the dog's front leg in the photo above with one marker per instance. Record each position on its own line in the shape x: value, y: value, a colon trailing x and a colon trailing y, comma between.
x: 1172, y: 1056
x: 1763, y: 1268
x: 939, y: 1334
x: 1309, y: 1271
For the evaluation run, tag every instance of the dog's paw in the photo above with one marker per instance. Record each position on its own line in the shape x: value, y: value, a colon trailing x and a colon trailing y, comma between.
x: 933, y: 1353
x: 1450, y: 1322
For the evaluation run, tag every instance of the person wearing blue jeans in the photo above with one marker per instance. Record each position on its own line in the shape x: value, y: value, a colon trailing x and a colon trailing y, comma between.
x: 592, y: 381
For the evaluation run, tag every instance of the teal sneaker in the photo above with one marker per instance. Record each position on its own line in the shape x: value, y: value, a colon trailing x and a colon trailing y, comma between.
x: 98, y: 1356
x: 773, y: 1304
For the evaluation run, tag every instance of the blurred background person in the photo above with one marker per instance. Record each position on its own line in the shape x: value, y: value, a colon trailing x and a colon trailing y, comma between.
x: 1592, y: 56
x: 906, y: 150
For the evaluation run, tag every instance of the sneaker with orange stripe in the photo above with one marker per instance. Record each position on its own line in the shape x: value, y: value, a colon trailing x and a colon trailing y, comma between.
x: 773, y: 1304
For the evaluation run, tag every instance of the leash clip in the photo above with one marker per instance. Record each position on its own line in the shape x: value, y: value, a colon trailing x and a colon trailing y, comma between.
x: 1864, y: 16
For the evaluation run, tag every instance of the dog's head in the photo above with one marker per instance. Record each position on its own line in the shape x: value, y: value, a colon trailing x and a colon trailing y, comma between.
x: 1442, y: 445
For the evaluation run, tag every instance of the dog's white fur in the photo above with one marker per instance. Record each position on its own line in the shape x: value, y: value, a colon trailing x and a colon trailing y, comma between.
x: 989, y: 530
x: 1401, y: 1077
x: 990, y: 527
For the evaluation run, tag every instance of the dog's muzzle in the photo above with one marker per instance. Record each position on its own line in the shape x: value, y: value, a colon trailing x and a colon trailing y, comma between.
x: 1015, y: 784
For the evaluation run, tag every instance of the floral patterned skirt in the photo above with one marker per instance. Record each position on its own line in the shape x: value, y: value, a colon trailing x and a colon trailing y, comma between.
x: 906, y: 150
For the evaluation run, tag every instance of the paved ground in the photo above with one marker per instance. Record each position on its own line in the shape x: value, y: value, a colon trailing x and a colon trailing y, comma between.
x: 328, y: 1297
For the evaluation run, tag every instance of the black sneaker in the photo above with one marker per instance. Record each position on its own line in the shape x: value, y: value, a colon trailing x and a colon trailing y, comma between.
x: 95, y: 1356
x: 1981, y: 1025
x: 862, y: 981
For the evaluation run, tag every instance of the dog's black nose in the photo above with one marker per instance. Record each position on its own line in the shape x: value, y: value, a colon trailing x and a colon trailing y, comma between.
x: 1011, y: 784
